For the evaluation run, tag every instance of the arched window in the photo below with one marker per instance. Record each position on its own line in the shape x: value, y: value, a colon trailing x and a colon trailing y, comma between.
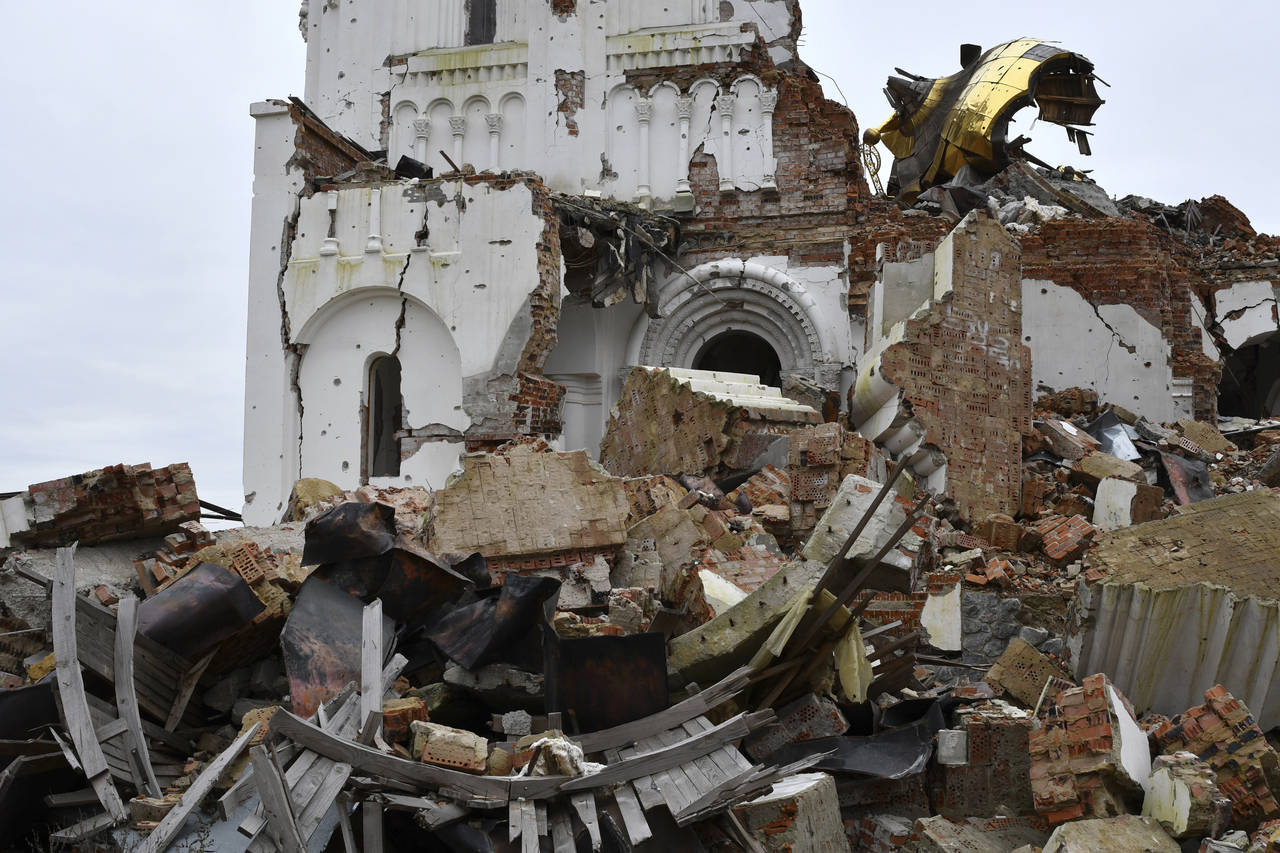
x: 383, y: 420
x: 482, y: 21
x: 741, y: 352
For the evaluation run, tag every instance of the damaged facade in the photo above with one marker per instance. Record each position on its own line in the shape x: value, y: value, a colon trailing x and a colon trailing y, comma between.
x: 631, y: 477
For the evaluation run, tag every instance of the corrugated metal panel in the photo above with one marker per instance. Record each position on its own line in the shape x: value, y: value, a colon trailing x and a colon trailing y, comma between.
x: 1164, y: 648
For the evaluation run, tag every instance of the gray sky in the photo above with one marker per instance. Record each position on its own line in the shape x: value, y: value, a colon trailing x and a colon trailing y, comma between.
x: 130, y: 153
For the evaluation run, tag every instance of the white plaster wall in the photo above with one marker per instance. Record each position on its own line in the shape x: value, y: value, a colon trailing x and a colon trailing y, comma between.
x: 271, y: 418
x: 1247, y: 312
x: 1072, y: 345
x: 460, y: 296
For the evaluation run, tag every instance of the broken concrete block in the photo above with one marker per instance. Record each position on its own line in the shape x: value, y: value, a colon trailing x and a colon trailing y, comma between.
x: 523, y: 506
x: 1120, y: 503
x: 398, y: 716
x: 1022, y: 672
x: 800, y: 815
x: 879, y: 833
x: 449, y: 747
x: 847, y: 507
x: 499, y: 686
x: 672, y: 421
x: 1266, y: 839
x: 1122, y: 834
x: 306, y: 493
x: 1181, y: 605
x: 1205, y: 436
x: 974, y: 835
x: 1096, y: 466
x: 1223, y: 733
x: 1066, y: 440
x: 1269, y: 473
x: 1001, y: 531
x: 151, y: 809
x: 711, y: 651
x: 942, y: 615
x: 1183, y: 795
x: 720, y: 593
x: 807, y: 718
x: 1090, y: 757
x: 953, y: 747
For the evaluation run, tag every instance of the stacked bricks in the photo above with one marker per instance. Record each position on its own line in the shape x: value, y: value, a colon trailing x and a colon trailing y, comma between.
x: 997, y: 773
x: 647, y: 495
x: 1065, y: 539
x: 1075, y: 770
x: 807, y: 718
x: 965, y: 373
x: 118, y: 502
x: 814, y: 469
x: 1224, y: 734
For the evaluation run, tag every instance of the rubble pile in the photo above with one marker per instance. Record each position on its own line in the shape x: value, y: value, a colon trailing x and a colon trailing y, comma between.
x: 802, y: 649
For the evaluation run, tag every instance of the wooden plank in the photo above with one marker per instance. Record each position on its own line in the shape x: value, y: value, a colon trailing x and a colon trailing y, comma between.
x: 83, y: 797
x: 528, y: 827
x: 344, y: 824
x: 171, y: 825
x: 372, y: 727
x: 126, y: 696
x: 515, y: 821
x: 372, y: 813
x: 281, y: 824
x: 82, y: 830
x: 697, y: 746
x: 730, y: 759
x: 633, y: 819
x: 371, y: 662
x: 562, y: 831
x: 688, y: 776
x: 540, y: 812
x: 672, y: 717
x: 584, y: 804
x: 185, y: 689
x: 646, y: 787
x: 371, y: 761
x: 312, y: 815
x: 71, y: 688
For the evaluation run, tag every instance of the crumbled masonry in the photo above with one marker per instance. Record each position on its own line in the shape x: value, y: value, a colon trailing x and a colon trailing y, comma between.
x: 623, y: 473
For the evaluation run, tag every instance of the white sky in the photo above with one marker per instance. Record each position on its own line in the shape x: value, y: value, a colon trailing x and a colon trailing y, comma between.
x: 130, y: 153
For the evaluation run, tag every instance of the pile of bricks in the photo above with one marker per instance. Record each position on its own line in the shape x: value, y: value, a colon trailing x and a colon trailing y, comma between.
x: 996, y: 775
x: 1223, y: 733
x: 158, y: 569
x: 1064, y: 539
x: 118, y: 502
x: 1075, y: 768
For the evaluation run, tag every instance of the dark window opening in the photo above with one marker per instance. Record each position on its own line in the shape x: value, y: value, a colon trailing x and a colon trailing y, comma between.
x: 384, y: 417
x: 1250, y: 384
x: 741, y: 352
x: 482, y: 21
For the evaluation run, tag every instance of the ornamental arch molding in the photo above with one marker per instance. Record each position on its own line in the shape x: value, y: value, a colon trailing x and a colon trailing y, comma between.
x: 733, y: 296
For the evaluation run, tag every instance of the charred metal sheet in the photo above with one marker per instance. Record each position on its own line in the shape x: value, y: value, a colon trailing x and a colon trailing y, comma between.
x: 198, y: 611
x: 474, y: 567
x: 940, y: 126
x: 1188, y: 479
x: 606, y: 681
x: 348, y: 532
x: 320, y: 644
x: 479, y: 633
x: 1115, y: 436
x: 414, y: 585
x: 891, y: 755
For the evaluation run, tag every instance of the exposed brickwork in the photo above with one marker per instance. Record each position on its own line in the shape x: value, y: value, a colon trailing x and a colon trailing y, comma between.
x: 1129, y: 262
x: 118, y: 502
x: 571, y: 87
x: 966, y: 374
x: 1065, y: 539
x: 1223, y: 733
x: 564, y: 7
x: 1074, y: 764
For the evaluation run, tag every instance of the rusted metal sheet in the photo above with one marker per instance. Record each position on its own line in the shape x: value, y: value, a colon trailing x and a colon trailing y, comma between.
x: 606, y: 681
x: 349, y: 531
x: 479, y: 633
x: 1188, y: 479
x: 415, y: 586
x: 320, y: 644
x: 199, y: 610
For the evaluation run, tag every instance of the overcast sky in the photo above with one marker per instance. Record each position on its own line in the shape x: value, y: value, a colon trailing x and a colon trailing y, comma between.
x: 129, y: 149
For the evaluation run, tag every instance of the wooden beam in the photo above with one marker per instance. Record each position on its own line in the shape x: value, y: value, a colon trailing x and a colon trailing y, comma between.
x: 71, y: 688
x: 162, y: 836
x: 127, y: 698
x: 281, y: 823
x: 371, y: 664
x: 371, y: 810
x: 186, y: 688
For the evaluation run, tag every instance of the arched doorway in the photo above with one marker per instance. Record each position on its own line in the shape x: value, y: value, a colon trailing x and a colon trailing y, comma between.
x: 383, y: 417
x: 741, y: 352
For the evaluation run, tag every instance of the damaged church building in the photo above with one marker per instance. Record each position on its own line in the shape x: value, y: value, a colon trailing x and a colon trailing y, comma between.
x: 626, y: 469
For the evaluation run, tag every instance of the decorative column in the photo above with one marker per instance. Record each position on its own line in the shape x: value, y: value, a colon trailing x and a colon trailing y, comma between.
x: 374, y: 243
x: 644, y: 194
x: 421, y: 133
x: 684, y: 109
x: 494, y: 121
x: 330, y: 245
x: 458, y: 125
x: 768, y: 103
x: 724, y: 156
